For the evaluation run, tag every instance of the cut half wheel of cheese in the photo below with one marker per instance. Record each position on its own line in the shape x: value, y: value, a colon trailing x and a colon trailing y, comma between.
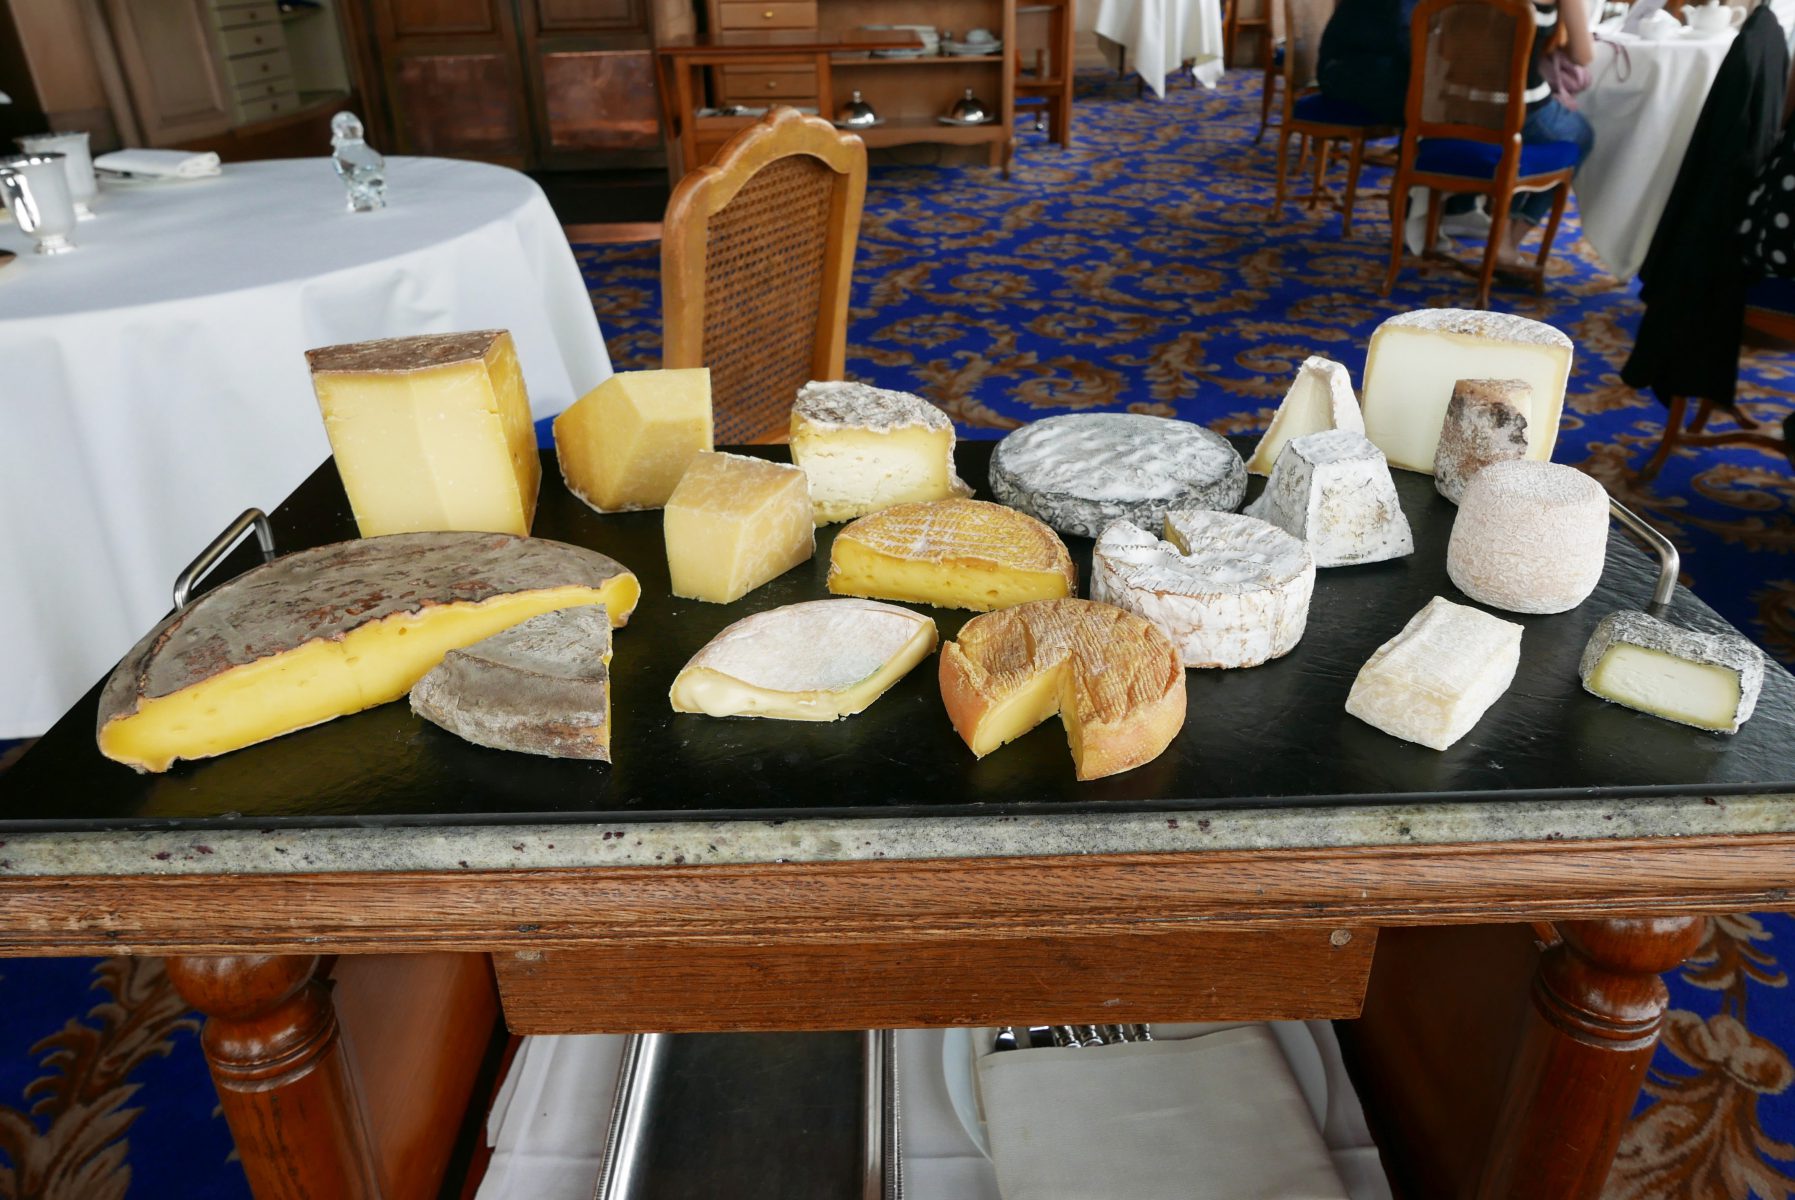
x: 815, y: 661
x: 1114, y: 678
x: 333, y: 630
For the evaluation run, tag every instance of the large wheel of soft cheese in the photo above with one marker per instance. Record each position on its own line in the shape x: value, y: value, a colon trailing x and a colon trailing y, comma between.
x: 331, y: 631
x: 1229, y: 590
x: 1080, y: 472
x: 1530, y: 537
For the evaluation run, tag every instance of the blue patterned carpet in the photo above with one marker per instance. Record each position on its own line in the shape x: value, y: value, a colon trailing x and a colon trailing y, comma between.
x: 1136, y: 270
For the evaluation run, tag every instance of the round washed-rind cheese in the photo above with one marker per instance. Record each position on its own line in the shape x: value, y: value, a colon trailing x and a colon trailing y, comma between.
x: 1229, y: 590
x: 1530, y: 537
x: 1083, y: 471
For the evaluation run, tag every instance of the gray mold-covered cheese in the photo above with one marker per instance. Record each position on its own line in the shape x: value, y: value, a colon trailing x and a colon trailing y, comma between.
x: 1486, y: 422
x: 539, y: 687
x: 1708, y: 680
x: 1334, y: 491
x: 1080, y: 472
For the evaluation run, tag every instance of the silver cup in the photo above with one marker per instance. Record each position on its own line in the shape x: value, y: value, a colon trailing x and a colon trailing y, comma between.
x: 37, y: 191
x: 77, y: 161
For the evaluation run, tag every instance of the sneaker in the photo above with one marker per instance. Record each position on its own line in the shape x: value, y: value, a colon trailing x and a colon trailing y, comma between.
x: 1415, y: 228
x: 1474, y: 224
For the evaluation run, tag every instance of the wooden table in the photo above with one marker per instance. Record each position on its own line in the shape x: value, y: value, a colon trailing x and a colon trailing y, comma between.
x: 762, y: 875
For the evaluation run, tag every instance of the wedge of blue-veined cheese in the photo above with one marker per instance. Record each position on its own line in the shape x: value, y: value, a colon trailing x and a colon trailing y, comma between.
x: 815, y: 661
x: 1434, y: 680
x: 1708, y: 680
x: 1319, y: 399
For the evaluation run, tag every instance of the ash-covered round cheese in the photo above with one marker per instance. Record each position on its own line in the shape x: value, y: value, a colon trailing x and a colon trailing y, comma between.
x: 1081, y: 472
x: 1229, y: 590
x: 1530, y: 537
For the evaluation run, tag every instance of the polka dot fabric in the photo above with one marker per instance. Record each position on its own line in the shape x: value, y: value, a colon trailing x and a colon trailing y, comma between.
x: 1769, y: 225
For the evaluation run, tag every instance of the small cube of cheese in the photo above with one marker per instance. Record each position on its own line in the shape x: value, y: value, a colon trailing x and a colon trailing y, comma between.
x: 733, y: 523
x: 625, y: 444
x: 430, y: 432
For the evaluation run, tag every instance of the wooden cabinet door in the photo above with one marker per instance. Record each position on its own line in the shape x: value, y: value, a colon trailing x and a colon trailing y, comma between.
x: 591, y: 68
x: 454, y: 79
x: 165, y: 48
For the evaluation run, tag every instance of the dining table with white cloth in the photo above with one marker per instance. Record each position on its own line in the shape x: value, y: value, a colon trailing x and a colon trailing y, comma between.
x: 1160, y: 36
x: 1643, y: 100
x: 153, y: 381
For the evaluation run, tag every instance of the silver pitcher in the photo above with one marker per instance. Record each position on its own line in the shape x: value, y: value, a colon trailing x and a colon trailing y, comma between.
x: 37, y: 192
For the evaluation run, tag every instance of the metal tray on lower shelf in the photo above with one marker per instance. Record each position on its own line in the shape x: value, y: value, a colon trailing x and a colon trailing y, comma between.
x: 755, y: 1116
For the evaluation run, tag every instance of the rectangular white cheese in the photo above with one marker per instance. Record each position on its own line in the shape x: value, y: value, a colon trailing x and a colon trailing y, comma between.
x: 1434, y: 680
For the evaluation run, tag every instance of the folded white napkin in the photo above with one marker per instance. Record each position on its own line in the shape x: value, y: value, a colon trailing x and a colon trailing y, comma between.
x: 1218, y: 1117
x: 170, y: 164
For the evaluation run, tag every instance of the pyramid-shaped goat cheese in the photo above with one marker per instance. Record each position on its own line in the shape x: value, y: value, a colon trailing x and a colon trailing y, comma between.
x: 1334, y: 491
x: 1319, y: 399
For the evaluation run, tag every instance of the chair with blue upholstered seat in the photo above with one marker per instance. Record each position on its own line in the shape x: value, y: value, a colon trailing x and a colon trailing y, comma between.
x: 1462, y: 127
x: 1321, y: 120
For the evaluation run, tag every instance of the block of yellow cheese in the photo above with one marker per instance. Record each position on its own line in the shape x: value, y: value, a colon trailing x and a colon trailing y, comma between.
x: 733, y: 523
x: 430, y: 432
x: 334, y: 630
x: 625, y: 444
x: 1114, y: 678
x: 953, y: 554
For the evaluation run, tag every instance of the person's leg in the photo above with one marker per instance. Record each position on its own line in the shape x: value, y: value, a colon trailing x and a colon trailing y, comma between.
x: 1550, y: 122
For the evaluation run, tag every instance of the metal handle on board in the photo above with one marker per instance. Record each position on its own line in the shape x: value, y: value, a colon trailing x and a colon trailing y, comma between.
x: 221, y: 545
x: 1669, y: 561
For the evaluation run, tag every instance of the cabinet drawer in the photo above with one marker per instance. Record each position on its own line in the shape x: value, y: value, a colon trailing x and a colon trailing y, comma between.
x: 278, y: 105
x: 260, y: 89
x: 776, y: 14
x: 251, y: 67
x: 252, y: 39
x: 235, y: 15
x: 745, y: 85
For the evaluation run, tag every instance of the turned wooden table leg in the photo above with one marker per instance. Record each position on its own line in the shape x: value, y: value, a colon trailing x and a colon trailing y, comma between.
x: 1598, y: 1003
x: 283, y: 1077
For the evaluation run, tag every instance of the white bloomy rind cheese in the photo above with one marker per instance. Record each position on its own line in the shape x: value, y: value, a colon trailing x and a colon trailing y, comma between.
x: 430, y: 432
x: 953, y: 554
x: 1486, y: 422
x: 1708, y: 680
x: 1433, y: 681
x: 333, y: 630
x: 1334, y: 491
x: 815, y: 661
x: 1114, y: 678
x: 866, y: 448
x: 1416, y: 358
x: 625, y: 444
x: 1229, y: 590
x: 733, y: 523
x: 1320, y: 399
x: 1530, y: 537
x: 539, y: 687
x: 1080, y: 472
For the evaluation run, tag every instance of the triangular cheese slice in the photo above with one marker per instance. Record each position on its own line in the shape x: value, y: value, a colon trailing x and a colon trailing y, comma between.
x: 1319, y: 399
x: 1114, y: 678
x: 814, y: 661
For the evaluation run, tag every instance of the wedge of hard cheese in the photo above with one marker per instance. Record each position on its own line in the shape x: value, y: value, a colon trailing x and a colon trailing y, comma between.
x: 865, y: 448
x: 334, y: 630
x: 952, y: 554
x: 733, y: 523
x: 1708, y: 680
x: 1417, y: 357
x: 539, y: 687
x: 1114, y: 678
x: 430, y: 432
x: 814, y: 661
x: 1318, y: 400
x: 1434, y: 680
x: 624, y: 445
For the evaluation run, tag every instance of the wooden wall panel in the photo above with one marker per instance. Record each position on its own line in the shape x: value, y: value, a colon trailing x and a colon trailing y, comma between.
x: 581, y: 16
x: 601, y: 100
x: 437, y: 18
x: 466, y: 104
x: 165, y: 48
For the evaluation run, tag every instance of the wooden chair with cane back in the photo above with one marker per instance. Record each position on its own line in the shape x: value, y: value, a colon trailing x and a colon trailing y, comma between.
x: 1320, y: 120
x: 1462, y: 127
x: 757, y: 256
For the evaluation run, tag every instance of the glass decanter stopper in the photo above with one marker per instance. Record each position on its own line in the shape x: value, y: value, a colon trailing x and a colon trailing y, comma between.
x: 359, y: 165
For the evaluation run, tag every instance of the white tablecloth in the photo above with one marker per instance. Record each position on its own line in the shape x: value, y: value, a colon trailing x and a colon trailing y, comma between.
x: 547, y: 1124
x: 1643, y: 108
x: 1162, y: 35
x: 153, y: 384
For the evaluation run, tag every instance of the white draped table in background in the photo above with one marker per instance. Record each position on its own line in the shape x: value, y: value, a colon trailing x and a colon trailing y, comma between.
x: 1161, y: 35
x: 153, y: 382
